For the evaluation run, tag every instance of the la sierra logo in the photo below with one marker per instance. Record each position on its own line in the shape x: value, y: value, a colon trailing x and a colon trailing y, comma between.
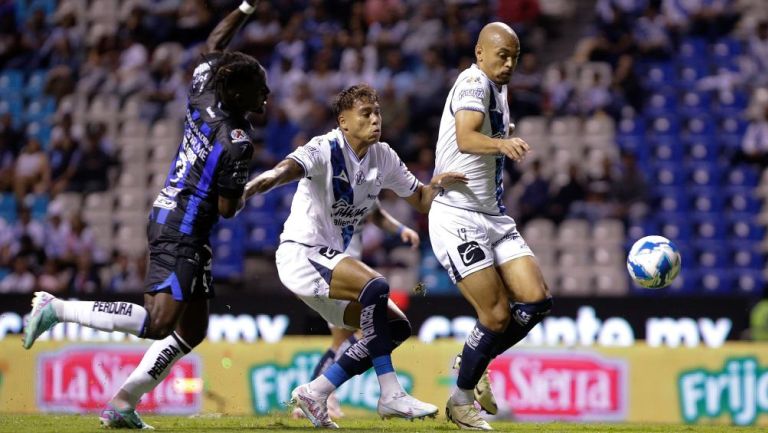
x: 542, y: 386
x: 81, y: 379
x: 739, y: 389
x: 271, y: 384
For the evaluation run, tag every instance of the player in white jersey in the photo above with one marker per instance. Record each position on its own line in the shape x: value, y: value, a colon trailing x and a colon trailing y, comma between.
x: 342, y: 338
x: 475, y: 241
x: 341, y: 175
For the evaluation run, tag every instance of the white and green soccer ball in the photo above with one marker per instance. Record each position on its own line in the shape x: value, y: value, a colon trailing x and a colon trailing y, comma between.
x: 654, y: 262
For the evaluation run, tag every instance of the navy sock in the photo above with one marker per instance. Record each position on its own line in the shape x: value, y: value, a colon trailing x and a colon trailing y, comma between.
x: 325, y: 361
x: 373, y: 322
x: 477, y: 354
x: 524, y: 318
x: 357, y: 360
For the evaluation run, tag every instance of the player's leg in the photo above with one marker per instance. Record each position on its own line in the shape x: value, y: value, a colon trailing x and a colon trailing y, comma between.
x: 461, y: 243
x: 531, y: 300
x: 485, y: 291
x: 187, y: 297
x: 341, y: 339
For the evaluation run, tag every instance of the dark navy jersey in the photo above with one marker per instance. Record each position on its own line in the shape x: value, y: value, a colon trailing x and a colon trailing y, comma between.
x: 212, y: 160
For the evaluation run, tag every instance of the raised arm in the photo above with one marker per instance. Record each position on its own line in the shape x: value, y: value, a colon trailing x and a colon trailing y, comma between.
x: 222, y: 35
x: 284, y: 172
x: 385, y: 221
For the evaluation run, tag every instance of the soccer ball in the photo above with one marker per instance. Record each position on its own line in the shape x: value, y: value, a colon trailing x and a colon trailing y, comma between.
x: 653, y: 262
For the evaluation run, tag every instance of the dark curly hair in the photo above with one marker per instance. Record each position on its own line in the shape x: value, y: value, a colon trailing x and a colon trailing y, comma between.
x: 346, y: 98
x: 235, y: 77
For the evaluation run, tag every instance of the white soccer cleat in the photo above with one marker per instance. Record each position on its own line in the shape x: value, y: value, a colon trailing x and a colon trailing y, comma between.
x: 466, y: 416
x: 402, y: 405
x: 334, y: 407
x: 314, y: 406
x: 483, y: 391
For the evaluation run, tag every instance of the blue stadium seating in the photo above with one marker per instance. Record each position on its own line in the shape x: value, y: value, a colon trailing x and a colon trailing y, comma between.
x: 712, y: 254
x: 742, y: 199
x: 716, y: 281
x: 706, y: 199
x: 8, y: 207
x: 701, y: 148
x: 746, y: 254
x: 668, y: 174
x: 671, y: 199
x: 748, y: 281
x: 709, y: 226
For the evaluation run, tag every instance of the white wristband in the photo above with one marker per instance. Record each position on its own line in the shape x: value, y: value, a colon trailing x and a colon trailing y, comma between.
x: 247, y: 8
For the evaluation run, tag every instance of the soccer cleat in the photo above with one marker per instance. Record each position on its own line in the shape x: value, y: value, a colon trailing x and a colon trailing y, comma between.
x: 334, y: 407
x: 129, y: 419
x: 466, y: 416
x: 41, y: 319
x: 483, y: 391
x: 402, y: 405
x: 484, y: 395
x: 315, y: 407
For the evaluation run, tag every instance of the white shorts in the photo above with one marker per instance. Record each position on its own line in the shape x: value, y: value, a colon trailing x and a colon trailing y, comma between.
x: 466, y: 241
x: 306, y: 271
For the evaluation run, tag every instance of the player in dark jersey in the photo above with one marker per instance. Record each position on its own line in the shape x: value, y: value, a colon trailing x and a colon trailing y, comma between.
x: 205, y: 181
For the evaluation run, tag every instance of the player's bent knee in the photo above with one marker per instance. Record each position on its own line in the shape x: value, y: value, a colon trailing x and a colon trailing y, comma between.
x: 159, y: 328
x: 399, y: 331
x: 496, y: 318
x: 528, y: 314
x: 375, y: 289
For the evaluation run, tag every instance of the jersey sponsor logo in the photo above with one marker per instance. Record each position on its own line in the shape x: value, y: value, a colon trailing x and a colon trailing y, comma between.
x: 164, y: 203
x: 472, y: 93
x: 471, y: 253
x: 342, y: 176
x: 238, y: 136
x: 328, y: 253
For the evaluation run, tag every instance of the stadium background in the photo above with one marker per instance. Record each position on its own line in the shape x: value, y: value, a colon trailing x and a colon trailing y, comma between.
x: 645, y: 116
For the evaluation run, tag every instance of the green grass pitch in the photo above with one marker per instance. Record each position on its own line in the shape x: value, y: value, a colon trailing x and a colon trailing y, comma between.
x: 236, y: 424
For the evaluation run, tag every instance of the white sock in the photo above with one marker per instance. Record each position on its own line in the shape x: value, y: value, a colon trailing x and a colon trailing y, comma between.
x: 389, y: 385
x: 463, y: 396
x: 321, y: 385
x: 154, y: 367
x: 104, y: 316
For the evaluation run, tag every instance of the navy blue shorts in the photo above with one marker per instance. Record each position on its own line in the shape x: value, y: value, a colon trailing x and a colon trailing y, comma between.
x: 178, y: 264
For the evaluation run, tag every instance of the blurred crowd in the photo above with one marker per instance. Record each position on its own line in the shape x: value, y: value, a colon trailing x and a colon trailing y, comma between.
x: 143, y: 52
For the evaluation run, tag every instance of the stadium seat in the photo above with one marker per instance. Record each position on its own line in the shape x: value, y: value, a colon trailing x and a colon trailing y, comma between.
x: 666, y: 125
x: 35, y: 83
x: 725, y: 51
x: 608, y: 229
x: 675, y: 226
x: 692, y: 48
x: 743, y: 226
x: 742, y: 199
x: 262, y: 238
x: 668, y: 174
x: 640, y: 228
x: 702, y: 148
x: 706, y: 199
x: 700, y: 123
x: 8, y: 207
x: 576, y: 281
x: 539, y: 231
x: 573, y: 232
x: 610, y: 280
x: 703, y: 173
x: 671, y: 198
x: 712, y: 254
x: 743, y: 176
x: 716, y: 281
x: 746, y: 254
x: 607, y: 254
x: 709, y: 226
x: 667, y: 148
x: 686, y: 284
x: 11, y: 82
x: 659, y: 75
x: 748, y: 281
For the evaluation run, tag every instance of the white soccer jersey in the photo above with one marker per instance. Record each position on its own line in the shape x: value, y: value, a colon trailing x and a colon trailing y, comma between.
x: 338, y: 189
x: 485, y: 190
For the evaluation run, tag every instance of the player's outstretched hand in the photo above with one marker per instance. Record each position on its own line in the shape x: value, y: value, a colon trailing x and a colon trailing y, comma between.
x: 445, y: 180
x: 514, y: 148
x: 409, y: 236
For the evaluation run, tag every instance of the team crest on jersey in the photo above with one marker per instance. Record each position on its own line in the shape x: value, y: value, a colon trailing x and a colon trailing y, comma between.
x: 359, y: 178
x: 238, y: 136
